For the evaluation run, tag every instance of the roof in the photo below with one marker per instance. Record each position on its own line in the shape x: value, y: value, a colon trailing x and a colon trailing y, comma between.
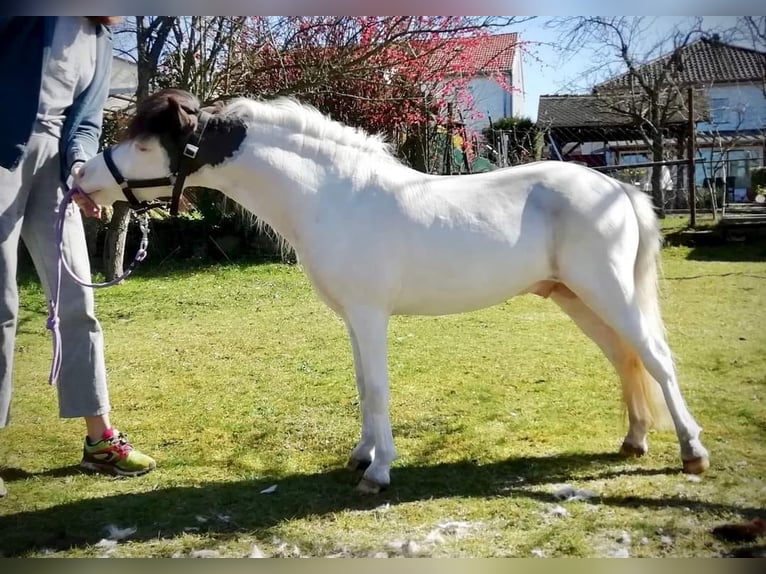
x: 745, y: 138
x: 577, y: 111
x: 704, y: 61
x: 589, y: 117
x: 490, y: 53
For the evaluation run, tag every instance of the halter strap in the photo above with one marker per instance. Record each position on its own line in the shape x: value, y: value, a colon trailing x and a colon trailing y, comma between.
x: 127, y: 185
x: 191, y: 147
x: 177, y: 179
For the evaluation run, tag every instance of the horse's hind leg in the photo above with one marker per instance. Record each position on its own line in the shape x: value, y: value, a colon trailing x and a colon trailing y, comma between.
x: 613, y: 299
x: 624, y: 360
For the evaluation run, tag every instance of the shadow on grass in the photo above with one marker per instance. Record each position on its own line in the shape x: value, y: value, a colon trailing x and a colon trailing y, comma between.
x: 168, y: 512
x: 751, y: 250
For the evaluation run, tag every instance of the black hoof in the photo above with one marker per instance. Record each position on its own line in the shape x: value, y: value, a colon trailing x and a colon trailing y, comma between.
x: 628, y: 450
x: 354, y: 464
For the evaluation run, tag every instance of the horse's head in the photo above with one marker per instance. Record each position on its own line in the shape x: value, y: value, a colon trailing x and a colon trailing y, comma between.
x: 158, y: 139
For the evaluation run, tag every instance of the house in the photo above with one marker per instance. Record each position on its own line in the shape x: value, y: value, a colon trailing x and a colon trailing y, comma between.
x: 730, y: 87
x: 497, y: 87
x: 122, y: 85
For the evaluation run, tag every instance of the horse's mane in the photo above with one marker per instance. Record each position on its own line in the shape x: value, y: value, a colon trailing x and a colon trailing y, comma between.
x: 286, y: 112
x: 296, y: 116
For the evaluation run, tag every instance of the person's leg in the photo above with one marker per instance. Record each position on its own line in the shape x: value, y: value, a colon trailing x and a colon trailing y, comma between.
x: 12, y: 201
x: 82, y: 389
x: 9, y: 301
x: 14, y: 190
x: 82, y: 385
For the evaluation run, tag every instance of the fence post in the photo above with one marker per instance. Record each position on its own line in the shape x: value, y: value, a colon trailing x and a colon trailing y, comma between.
x: 690, y: 152
x: 448, y: 146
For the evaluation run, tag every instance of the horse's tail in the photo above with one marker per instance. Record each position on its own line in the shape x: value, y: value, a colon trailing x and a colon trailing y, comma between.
x: 641, y: 390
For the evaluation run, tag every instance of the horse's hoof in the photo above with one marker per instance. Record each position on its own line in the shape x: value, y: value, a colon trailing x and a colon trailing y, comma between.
x: 355, y: 464
x: 696, y: 465
x: 369, y: 487
x: 629, y: 450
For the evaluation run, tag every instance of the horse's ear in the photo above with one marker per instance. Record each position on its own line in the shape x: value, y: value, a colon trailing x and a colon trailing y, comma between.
x: 186, y: 118
x: 213, y: 108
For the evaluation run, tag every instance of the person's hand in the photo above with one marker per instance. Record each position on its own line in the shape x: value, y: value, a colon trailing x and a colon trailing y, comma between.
x: 86, y: 205
x: 76, y: 166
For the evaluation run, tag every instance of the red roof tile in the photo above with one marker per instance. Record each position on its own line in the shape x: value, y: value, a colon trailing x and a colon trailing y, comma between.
x: 491, y: 53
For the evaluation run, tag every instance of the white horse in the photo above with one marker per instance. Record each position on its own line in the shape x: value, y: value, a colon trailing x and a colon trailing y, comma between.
x: 377, y: 238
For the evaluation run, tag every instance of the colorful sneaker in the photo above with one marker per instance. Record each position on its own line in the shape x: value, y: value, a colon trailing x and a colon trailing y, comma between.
x: 113, y: 454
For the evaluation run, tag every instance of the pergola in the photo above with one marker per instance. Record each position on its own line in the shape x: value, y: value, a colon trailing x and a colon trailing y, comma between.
x: 580, y: 119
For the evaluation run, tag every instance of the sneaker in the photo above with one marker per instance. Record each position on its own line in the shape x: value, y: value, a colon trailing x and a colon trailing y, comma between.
x: 113, y: 454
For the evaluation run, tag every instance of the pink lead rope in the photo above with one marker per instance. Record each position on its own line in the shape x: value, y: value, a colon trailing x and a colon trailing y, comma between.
x: 53, y: 304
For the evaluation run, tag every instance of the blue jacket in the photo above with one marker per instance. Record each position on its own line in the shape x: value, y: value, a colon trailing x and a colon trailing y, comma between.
x: 24, y: 49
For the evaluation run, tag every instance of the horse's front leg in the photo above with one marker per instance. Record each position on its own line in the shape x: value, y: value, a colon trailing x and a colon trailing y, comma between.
x: 369, y: 329
x: 362, y: 454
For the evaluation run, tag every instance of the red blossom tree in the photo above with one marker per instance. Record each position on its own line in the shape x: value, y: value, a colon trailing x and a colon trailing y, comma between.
x: 393, y: 75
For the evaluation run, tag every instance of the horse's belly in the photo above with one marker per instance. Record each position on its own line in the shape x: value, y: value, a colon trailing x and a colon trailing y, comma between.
x: 450, y: 304
x: 473, y: 273
x: 434, y: 294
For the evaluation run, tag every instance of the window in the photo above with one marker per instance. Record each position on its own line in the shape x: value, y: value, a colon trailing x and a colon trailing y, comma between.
x: 719, y: 110
x: 730, y: 168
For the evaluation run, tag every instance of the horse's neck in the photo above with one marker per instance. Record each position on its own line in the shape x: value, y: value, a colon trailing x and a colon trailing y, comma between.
x: 283, y: 182
x: 268, y: 190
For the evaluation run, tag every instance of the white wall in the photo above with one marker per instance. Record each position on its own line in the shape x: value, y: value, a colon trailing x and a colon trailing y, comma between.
x: 735, y: 108
x: 490, y: 100
x: 493, y: 99
x: 517, y: 82
x: 123, y: 83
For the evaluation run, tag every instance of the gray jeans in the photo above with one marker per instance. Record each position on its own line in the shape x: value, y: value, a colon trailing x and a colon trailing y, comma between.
x: 29, y: 198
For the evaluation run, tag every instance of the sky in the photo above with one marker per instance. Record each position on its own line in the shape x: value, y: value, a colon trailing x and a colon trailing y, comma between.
x: 546, y: 73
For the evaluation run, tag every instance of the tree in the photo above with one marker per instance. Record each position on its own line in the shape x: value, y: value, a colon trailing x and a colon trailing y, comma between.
x: 393, y: 75
x: 646, y: 84
x: 201, y: 55
x: 192, y: 53
x: 151, y: 34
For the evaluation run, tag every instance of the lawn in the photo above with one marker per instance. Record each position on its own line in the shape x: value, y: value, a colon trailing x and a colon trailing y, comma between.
x: 236, y: 378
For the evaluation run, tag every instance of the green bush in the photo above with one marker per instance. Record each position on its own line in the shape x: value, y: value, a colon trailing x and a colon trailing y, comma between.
x: 525, y: 139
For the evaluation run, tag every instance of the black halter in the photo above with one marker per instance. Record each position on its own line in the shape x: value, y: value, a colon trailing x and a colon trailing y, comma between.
x: 176, y: 179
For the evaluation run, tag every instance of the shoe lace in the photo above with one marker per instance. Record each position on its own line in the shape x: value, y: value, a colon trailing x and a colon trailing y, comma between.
x: 121, y: 444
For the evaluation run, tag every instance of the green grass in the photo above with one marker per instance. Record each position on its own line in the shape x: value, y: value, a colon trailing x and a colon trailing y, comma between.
x: 236, y: 378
